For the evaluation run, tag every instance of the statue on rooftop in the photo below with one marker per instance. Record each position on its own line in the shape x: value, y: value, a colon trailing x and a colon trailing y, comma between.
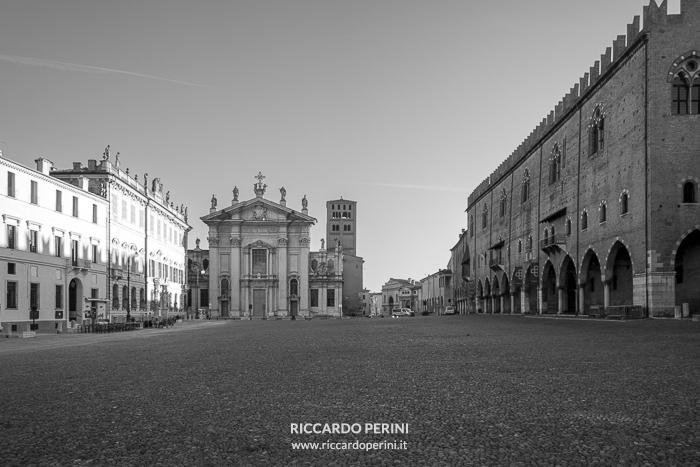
x: 213, y: 201
x: 235, y: 193
x: 304, y: 202
x: 105, y: 155
x: 283, y: 192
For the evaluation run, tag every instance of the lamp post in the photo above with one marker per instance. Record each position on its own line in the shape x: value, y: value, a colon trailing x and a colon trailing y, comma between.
x: 200, y: 272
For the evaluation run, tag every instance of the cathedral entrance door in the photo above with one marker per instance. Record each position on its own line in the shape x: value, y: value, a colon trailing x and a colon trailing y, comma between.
x: 224, y: 308
x: 259, y: 303
x: 293, y: 307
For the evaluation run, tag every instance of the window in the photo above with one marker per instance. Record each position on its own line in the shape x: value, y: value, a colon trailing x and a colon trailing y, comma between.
x: 11, y: 184
x: 115, y: 206
x: 59, y: 201
x: 584, y: 220
x: 685, y: 85
x: 485, y: 217
x: 11, y: 268
x: 529, y: 243
x: 59, y: 297
x: 115, y: 297
x: 124, y: 209
x: 94, y: 253
x: 294, y: 287
x: 75, y: 206
x: 11, y: 295
x: 259, y: 261
x: 555, y: 164
x: 502, y: 203
x: 142, y: 216
x: 568, y: 227
x: 520, y: 246
x: 596, y: 135
x: 11, y: 236
x: 314, y: 297
x: 689, y: 192
x: 133, y: 214
x: 330, y: 297
x: 525, y: 190
x: 34, y: 192
x: 58, y: 246
x: 546, y: 235
x: 94, y: 214
x: 624, y: 204
x: 34, y: 296
x: 603, y: 211
x: 74, y: 252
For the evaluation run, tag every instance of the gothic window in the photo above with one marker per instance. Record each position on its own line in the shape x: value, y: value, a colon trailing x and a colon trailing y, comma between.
x: 684, y: 77
x: 568, y: 227
x: 603, y: 211
x: 471, y: 226
x: 485, y: 217
x: 584, y: 220
x: 555, y: 164
x: 689, y: 192
x: 624, y: 203
x: 525, y: 191
x: 520, y: 246
x: 529, y: 243
x: 596, y: 132
x: 553, y: 233
x: 546, y: 235
x: 502, y: 204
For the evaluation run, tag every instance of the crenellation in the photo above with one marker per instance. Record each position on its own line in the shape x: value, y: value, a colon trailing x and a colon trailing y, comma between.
x: 594, y: 72
x: 632, y: 30
x: 619, y: 47
x: 583, y: 83
x: 605, y: 60
x: 558, y: 111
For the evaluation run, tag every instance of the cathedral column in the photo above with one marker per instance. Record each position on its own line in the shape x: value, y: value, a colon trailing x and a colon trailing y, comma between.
x: 282, y: 275
x: 524, y: 300
x: 606, y: 293
x: 512, y: 302
x: 560, y: 300
x: 304, y: 273
x: 214, y: 271
x: 235, y: 269
x: 581, y: 298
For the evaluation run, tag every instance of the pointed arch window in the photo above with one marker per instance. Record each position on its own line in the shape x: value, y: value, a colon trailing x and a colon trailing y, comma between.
x: 529, y: 243
x: 684, y: 76
x: 603, y: 211
x: 624, y: 203
x: 525, y: 190
x: 520, y: 246
x: 555, y: 164
x: 485, y: 217
x: 502, y: 203
x: 596, y: 132
x: 689, y: 192
x: 584, y: 220
x: 568, y: 227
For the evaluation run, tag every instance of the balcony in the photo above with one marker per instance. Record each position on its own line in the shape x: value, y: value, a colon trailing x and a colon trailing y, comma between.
x: 552, y: 243
x: 496, y: 263
x: 84, y: 264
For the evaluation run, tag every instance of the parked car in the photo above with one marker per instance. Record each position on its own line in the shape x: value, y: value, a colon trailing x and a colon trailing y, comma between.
x: 102, y: 321
x: 396, y: 312
x: 449, y: 310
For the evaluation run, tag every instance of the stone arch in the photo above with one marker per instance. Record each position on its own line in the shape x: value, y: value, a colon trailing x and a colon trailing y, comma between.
x: 505, y: 291
x: 550, y: 297
x: 568, y: 283
x: 591, y: 277
x: 530, y: 285
x: 479, y: 296
x: 487, y: 296
x: 686, y: 264
x: 496, y: 294
x: 516, y: 285
x: 75, y: 294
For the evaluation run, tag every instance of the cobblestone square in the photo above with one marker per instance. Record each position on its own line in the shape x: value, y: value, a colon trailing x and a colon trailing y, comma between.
x: 473, y: 390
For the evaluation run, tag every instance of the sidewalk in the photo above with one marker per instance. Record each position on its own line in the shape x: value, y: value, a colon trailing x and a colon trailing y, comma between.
x: 44, y: 341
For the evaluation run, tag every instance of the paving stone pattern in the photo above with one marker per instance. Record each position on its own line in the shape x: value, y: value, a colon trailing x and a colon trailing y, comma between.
x: 475, y: 390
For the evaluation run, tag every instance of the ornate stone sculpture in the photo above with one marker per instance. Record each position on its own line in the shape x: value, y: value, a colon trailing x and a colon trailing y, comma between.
x: 167, y: 197
x: 213, y: 201
x: 105, y: 155
x: 304, y: 202
x: 259, y: 188
x: 283, y: 192
x: 323, y: 244
x: 235, y: 193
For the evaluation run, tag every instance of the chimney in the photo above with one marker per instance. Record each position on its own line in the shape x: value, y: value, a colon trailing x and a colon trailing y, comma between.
x: 92, y: 164
x: 77, y: 166
x: 43, y: 165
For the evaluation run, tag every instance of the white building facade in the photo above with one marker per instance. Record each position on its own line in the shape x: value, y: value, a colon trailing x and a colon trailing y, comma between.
x: 53, y: 249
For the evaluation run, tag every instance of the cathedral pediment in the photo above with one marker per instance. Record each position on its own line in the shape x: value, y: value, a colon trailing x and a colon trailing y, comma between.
x: 257, y: 210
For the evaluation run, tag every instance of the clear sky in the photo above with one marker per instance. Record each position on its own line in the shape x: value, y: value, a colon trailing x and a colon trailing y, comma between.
x: 403, y: 106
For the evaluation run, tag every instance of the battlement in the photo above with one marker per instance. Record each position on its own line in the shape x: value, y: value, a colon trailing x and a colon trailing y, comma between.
x: 653, y: 14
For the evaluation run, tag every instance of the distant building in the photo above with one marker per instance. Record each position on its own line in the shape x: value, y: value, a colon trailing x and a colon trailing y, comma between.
x: 260, y: 264
x: 436, y: 291
x: 341, y: 231
x: 401, y: 293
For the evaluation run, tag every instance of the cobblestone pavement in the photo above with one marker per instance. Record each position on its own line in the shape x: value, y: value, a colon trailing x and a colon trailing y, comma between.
x: 474, y: 390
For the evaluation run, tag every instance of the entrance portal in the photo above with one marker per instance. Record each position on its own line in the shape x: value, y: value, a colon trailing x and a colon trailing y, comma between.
x: 259, y: 303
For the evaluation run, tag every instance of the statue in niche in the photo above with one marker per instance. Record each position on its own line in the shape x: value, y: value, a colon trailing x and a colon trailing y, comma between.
x: 105, y: 155
x: 213, y: 202
x: 283, y: 192
x: 304, y: 202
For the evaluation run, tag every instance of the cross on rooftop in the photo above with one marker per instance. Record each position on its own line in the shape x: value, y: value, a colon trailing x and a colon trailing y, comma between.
x: 260, y: 177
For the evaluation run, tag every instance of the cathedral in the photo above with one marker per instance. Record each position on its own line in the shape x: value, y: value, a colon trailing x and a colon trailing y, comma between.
x: 259, y: 264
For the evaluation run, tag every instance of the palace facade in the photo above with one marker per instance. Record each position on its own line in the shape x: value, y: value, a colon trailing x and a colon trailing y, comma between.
x: 598, y: 207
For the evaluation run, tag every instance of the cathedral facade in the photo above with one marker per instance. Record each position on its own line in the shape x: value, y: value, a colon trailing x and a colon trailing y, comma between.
x: 260, y: 264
